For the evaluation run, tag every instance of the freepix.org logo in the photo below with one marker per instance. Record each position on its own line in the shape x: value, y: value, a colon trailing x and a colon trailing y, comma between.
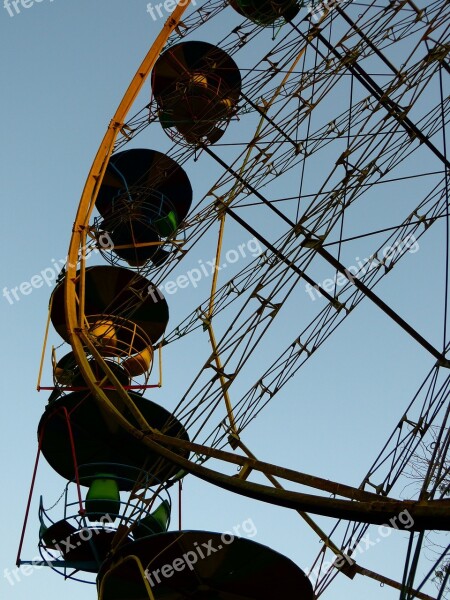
x: 51, y: 273
x: 200, y: 552
x: 163, y: 9
x: 389, y: 253
x: 85, y: 534
x: 194, y: 276
x: 318, y: 9
x: 14, y: 7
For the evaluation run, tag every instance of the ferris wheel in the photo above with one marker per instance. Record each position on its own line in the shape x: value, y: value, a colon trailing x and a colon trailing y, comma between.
x: 319, y: 131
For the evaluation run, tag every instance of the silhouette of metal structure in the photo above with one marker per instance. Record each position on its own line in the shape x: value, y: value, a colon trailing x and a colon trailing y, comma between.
x: 305, y: 111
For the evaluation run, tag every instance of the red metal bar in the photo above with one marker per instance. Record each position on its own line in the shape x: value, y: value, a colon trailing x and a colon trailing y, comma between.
x: 108, y: 387
x: 30, y: 495
x: 74, y: 457
x: 180, y: 488
x: 33, y: 481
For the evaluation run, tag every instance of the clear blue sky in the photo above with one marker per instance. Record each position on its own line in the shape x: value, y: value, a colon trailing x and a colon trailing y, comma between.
x: 65, y: 65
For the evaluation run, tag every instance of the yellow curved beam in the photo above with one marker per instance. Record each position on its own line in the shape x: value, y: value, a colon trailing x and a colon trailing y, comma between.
x: 229, y: 199
x: 75, y: 321
x: 364, y: 511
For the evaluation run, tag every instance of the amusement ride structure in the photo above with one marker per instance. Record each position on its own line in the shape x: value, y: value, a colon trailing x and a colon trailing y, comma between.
x: 310, y: 115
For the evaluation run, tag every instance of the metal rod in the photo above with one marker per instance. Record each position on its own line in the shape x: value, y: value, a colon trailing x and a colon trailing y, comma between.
x: 391, y: 582
x: 30, y: 495
x: 381, y: 304
x: 392, y: 108
x: 333, y: 261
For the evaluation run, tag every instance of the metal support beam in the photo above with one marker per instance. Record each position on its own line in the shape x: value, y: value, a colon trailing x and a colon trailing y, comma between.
x: 257, y: 235
x: 394, y: 110
x: 333, y: 261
